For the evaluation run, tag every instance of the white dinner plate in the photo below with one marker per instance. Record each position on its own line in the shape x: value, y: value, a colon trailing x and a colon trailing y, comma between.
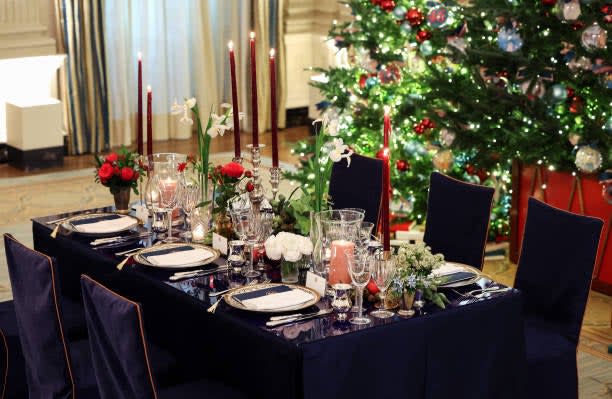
x: 232, y: 298
x: 141, y: 256
x: 475, y: 275
x: 69, y: 224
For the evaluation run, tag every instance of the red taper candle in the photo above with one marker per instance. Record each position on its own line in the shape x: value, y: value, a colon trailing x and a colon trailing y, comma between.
x: 149, y: 121
x: 254, y: 92
x: 386, y: 184
x: 139, y: 138
x: 273, y: 109
x: 230, y: 46
x: 387, y: 128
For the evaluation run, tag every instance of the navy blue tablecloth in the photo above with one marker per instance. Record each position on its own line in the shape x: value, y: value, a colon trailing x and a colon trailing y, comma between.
x: 473, y: 351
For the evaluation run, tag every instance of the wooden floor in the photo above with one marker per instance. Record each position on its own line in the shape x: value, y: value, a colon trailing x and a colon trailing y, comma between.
x: 286, y: 138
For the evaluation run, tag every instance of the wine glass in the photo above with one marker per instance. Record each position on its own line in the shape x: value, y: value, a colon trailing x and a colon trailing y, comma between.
x: 363, y: 239
x: 246, y: 228
x: 167, y: 177
x: 190, y: 194
x: 359, y: 269
x: 383, y: 272
x: 266, y: 220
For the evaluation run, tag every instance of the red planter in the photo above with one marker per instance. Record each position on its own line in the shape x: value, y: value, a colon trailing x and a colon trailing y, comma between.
x: 580, y: 194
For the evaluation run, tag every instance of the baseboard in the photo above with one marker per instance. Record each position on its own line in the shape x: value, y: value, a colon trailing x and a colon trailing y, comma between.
x: 600, y: 286
x: 36, y: 159
x: 297, y: 117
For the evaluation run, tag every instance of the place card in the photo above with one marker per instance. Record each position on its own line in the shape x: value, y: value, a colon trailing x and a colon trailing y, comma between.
x: 219, y: 242
x: 142, y: 212
x: 315, y: 282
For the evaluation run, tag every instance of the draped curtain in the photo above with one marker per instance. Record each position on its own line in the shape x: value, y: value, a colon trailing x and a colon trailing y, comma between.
x: 84, y: 81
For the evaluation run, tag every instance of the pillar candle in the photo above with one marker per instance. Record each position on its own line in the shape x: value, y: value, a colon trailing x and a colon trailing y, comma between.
x: 139, y: 138
x: 230, y: 46
x: 149, y: 121
x: 254, y: 92
x: 338, y: 265
x: 273, y: 109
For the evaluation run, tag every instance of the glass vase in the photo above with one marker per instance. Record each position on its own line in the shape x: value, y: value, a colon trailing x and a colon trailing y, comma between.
x: 290, y: 271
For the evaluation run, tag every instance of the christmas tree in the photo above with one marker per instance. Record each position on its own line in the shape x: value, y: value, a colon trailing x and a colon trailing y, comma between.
x: 393, y: 50
x: 535, y: 84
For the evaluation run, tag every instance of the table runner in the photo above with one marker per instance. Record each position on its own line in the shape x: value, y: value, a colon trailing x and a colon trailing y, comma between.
x: 474, y: 351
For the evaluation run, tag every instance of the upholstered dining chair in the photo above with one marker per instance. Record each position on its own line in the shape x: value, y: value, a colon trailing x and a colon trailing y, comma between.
x: 554, y: 276
x: 54, y: 366
x: 121, y: 354
x: 13, y: 383
x: 457, y: 219
x: 357, y: 186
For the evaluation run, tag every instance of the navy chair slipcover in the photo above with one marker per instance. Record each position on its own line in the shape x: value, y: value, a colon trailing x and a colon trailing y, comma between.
x: 12, y: 371
x: 357, y: 186
x: 54, y: 367
x: 457, y: 220
x: 120, y: 351
x: 554, y: 275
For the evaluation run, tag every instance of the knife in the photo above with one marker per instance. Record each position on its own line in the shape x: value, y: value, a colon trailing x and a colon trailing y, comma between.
x: 198, y: 273
x: 275, y: 323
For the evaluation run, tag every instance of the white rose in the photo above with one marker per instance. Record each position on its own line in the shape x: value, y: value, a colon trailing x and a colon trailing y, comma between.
x: 306, y: 246
x: 292, y: 255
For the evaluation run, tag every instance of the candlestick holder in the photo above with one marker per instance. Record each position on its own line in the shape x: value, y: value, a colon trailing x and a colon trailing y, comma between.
x: 257, y: 195
x: 275, y: 178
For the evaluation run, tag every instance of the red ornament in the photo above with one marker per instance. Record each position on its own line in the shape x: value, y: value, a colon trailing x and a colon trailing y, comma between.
x: 549, y: 2
x: 570, y: 92
x: 470, y: 169
x: 248, y: 174
x: 482, y: 175
x: 576, y: 105
x: 402, y: 165
x: 606, y: 9
x: 250, y: 187
x: 387, y: 5
x: 372, y: 287
x: 428, y: 123
x: 362, y: 81
x: 380, y: 154
x: 414, y: 17
x: 578, y: 25
x: 419, y: 128
x: 423, y: 35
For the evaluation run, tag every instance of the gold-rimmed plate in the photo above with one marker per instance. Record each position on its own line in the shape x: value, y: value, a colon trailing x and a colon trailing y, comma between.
x: 87, y: 225
x: 466, y: 274
x: 239, y: 298
x: 203, y: 254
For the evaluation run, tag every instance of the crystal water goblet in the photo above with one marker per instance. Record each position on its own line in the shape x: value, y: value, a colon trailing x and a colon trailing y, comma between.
x: 246, y: 228
x: 383, y: 272
x: 168, y: 184
x: 190, y: 194
x: 359, y: 270
x: 266, y: 219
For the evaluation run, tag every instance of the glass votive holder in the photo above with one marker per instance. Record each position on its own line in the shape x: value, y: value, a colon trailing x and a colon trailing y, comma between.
x: 341, y: 302
x: 198, y: 231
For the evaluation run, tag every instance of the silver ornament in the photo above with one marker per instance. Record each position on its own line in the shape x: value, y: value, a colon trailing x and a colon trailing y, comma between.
x: 571, y: 11
x: 399, y: 12
x: 406, y: 27
x: 588, y: 159
x: 558, y: 93
x: 447, y: 137
x: 509, y: 40
x: 594, y: 37
x: 574, y: 139
x: 426, y: 48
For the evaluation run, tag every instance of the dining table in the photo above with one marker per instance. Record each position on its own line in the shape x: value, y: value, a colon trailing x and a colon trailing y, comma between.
x: 473, y: 350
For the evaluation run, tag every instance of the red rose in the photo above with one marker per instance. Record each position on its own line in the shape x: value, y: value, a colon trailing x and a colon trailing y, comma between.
x: 112, y: 157
x: 116, y: 171
x: 248, y: 173
x: 181, y: 166
x: 105, y: 172
x: 127, y: 174
x: 250, y: 187
x: 232, y: 169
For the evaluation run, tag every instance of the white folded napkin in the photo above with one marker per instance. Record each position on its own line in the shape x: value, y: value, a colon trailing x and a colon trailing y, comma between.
x: 446, y: 269
x: 181, y: 257
x: 105, y: 226
x: 278, y: 301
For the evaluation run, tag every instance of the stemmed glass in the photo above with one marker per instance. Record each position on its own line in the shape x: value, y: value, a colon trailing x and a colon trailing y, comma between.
x: 167, y: 177
x: 363, y: 239
x: 152, y: 202
x: 266, y: 219
x: 383, y: 272
x: 359, y: 269
x: 190, y: 195
x: 247, y: 228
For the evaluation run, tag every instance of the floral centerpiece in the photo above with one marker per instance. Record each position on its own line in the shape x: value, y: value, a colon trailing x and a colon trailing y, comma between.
x: 289, y: 249
x: 415, y: 265
x: 120, y: 172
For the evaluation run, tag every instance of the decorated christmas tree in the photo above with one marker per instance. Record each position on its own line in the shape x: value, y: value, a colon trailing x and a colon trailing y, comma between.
x: 535, y: 84
x: 393, y: 49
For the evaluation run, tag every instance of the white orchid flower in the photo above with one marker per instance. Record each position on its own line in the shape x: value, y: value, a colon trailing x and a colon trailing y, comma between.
x: 217, y: 126
x: 190, y: 103
x: 338, y: 149
x: 330, y: 122
x: 176, y: 108
x: 230, y: 118
x: 333, y: 127
x: 184, y: 109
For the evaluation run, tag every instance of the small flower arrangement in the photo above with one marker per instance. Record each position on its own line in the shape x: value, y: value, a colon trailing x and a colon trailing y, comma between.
x: 118, y: 170
x: 290, y: 247
x: 226, y: 181
x: 415, y: 264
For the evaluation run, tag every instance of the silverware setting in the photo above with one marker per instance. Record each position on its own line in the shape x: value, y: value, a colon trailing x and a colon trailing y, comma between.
x: 254, y: 282
x: 287, y: 320
x: 129, y: 251
x: 99, y: 243
x: 213, y: 308
x: 197, y: 273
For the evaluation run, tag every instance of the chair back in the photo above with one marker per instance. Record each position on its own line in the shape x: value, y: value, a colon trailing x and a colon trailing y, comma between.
x: 35, y: 284
x: 556, y: 265
x: 457, y: 222
x: 357, y: 186
x: 119, y: 348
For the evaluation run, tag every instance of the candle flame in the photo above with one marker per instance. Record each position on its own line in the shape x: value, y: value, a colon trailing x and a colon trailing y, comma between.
x: 272, y: 53
x: 139, y: 56
x: 252, y: 35
x: 149, y: 89
x: 230, y: 45
x: 387, y: 109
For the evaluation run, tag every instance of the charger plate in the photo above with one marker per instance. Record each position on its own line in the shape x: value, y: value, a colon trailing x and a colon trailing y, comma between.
x: 68, y: 224
x: 231, y: 300
x: 141, y: 257
x: 474, y: 275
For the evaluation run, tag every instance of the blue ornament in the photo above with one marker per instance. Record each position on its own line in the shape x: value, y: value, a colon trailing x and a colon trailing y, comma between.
x: 371, y: 82
x: 509, y: 40
x: 406, y: 27
x: 437, y: 17
x: 426, y: 48
x: 400, y: 12
x: 558, y: 93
